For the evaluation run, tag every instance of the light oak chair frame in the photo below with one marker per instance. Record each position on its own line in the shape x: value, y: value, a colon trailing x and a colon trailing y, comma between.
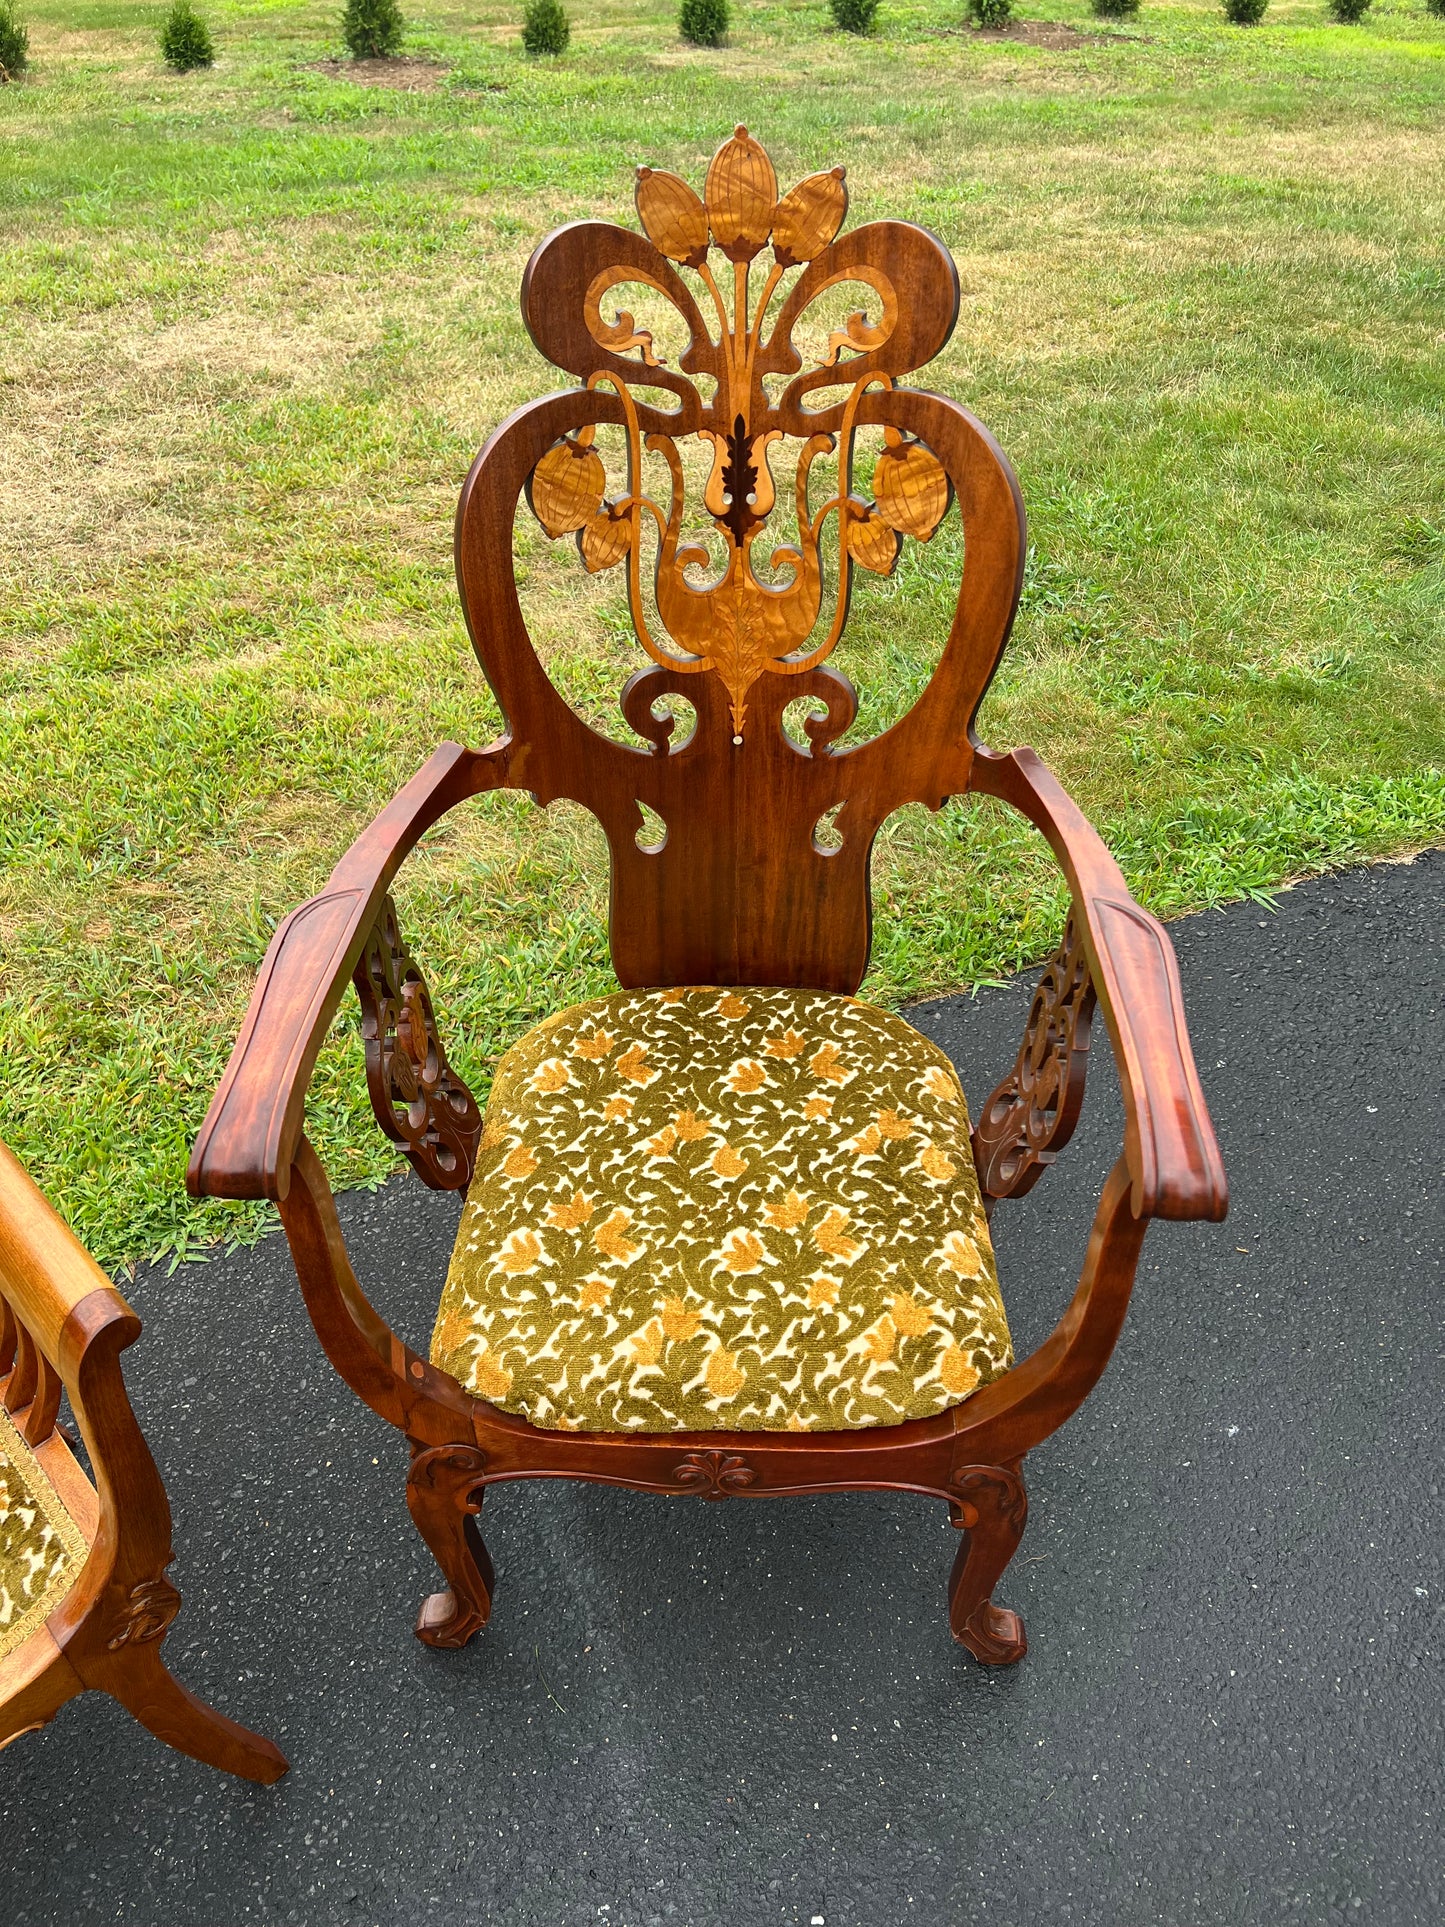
x: 63, y: 1326
x: 739, y: 892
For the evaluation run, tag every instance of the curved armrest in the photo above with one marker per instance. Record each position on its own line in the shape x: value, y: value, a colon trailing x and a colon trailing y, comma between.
x: 246, y: 1146
x: 1170, y: 1148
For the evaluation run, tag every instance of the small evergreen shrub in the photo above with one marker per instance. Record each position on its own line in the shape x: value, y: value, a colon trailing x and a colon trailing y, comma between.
x: 372, y: 28
x: 14, y: 42
x: 1347, y: 12
x: 185, y: 40
x: 990, y: 13
x: 1245, y: 13
x: 1115, y: 9
x: 854, y: 16
x: 545, y: 27
x: 1436, y: 7
x: 703, y: 22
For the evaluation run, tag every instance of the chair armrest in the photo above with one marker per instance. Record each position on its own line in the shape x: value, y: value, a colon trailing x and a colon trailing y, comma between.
x: 45, y: 1271
x: 248, y: 1141
x: 1173, y: 1159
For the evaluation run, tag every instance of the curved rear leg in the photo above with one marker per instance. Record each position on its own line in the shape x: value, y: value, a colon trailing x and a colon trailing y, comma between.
x: 444, y: 1494
x: 141, y: 1681
x: 991, y: 1507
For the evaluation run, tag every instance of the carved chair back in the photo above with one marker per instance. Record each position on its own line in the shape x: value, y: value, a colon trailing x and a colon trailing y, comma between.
x: 739, y: 885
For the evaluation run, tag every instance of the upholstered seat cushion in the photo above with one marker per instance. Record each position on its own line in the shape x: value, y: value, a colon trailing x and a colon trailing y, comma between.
x: 41, y: 1547
x: 723, y: 1209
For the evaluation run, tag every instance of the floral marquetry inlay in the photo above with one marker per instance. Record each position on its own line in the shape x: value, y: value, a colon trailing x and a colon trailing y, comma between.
x: 736, y: 624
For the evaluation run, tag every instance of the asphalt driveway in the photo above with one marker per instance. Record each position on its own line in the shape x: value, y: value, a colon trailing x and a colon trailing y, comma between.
x: 733, y: 1715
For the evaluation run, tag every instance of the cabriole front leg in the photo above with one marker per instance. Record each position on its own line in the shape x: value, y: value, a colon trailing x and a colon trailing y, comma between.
x: 444, y: 1494
x: 992, y: 1508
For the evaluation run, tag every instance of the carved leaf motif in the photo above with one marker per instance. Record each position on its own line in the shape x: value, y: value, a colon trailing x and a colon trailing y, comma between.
x: 672, y: 216
x: 419, y: 1101
x: 566, y: 487
x: 1031, y: 1116
x: 622, y: 333
x: 144, y: 1613
x: 716, y: 1475
x: 741, y: 192
x: 604, y: 541
x: 808, y: 217
x: 911, y: 487
x: 857, y: 332
x: 871, y: 542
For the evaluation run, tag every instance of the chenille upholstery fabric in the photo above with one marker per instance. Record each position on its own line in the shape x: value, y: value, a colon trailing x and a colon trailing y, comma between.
x: 723, y: 1209
x: 41, y: 1547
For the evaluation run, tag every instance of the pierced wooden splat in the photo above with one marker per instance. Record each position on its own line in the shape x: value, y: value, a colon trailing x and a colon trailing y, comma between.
x: 738, y: 626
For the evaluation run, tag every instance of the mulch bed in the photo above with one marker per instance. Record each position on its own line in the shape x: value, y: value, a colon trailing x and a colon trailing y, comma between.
x: 1053, y: 34
x: 406, y: 74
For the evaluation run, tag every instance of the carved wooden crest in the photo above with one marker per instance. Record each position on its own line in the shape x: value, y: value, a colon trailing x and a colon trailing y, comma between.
x: 733, y: 517
x: 737, y: 625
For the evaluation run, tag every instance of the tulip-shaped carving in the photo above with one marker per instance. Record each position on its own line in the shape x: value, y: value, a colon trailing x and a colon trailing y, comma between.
x: 740, y: 195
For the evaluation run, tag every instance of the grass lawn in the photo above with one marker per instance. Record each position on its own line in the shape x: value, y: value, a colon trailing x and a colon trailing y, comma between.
x: 255, y: 321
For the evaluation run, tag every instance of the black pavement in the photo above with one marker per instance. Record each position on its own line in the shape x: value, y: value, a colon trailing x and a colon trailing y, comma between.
x: 752, y: 1713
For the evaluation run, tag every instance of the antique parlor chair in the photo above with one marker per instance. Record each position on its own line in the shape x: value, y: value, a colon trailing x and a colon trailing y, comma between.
x: 84, y: 1597
x: 726, y: 1231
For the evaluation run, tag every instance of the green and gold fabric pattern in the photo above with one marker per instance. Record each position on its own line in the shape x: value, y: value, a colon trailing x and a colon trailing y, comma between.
x: 704, y: 1209
x: 41, y: 1547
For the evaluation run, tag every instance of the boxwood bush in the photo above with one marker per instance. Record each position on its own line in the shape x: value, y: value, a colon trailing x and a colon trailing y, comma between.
x: 545, y: 27
x: 1115, y: 9
x: 990, y: 13
x: 185, y: 39
x: 372, y: 28
x: 1245, y: 13
x: 14, y: 42
x: 854, y: 16
x: 703, y: 22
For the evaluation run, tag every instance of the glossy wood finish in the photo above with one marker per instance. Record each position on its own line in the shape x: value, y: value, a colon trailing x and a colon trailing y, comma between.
x: 739, y: 889
x: 65, y: 1326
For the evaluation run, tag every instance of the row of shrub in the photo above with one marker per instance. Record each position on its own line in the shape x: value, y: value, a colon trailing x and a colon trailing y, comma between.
x: 372, y: 29
x: 546, y: 28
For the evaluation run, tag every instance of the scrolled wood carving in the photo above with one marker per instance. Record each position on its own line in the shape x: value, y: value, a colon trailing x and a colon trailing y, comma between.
x: 737, y: 625
x: 419, y: 1100
x: 453, y: 1472
x: 144, y: 1613
x: 1031, y: 1116
x: 995, y: 1490
x: 715, y: 1475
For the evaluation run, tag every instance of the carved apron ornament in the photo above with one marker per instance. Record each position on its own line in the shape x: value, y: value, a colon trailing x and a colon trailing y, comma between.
x: 734, y: 624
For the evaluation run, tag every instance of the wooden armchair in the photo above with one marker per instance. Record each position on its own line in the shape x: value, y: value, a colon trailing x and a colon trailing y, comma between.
x: 726, y: 1231
x: 84, y: 1597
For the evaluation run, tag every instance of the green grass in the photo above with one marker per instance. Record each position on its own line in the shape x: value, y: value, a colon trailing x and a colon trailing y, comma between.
x: 255, y: 321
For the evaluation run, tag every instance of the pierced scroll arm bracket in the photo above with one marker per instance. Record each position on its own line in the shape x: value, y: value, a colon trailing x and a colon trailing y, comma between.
x: 419, y: 1100
x: 1031, y: 1116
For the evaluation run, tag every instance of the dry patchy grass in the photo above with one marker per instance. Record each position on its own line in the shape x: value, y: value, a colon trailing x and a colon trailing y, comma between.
x: 254, y: 322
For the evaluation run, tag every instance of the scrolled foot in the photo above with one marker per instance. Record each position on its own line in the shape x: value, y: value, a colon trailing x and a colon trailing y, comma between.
x: 446, y: 1623
x: 994, y: 1635
x: 444, y: 1492
x: 991, y: 1506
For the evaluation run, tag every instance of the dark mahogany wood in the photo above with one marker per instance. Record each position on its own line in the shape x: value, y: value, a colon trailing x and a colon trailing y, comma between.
x: 739, y: 887
x: 65, y: 1326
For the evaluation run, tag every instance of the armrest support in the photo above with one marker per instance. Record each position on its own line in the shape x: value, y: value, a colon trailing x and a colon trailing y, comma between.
x: 247, y: 1144
x: 1173, y: 1159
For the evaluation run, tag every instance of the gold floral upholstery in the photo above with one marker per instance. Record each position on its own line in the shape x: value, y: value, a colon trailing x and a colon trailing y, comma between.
x: 41, y: 1547
x: 723, y: 1209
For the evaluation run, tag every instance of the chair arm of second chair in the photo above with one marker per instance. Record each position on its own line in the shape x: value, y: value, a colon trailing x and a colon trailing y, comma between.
x: 248, y: 1142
